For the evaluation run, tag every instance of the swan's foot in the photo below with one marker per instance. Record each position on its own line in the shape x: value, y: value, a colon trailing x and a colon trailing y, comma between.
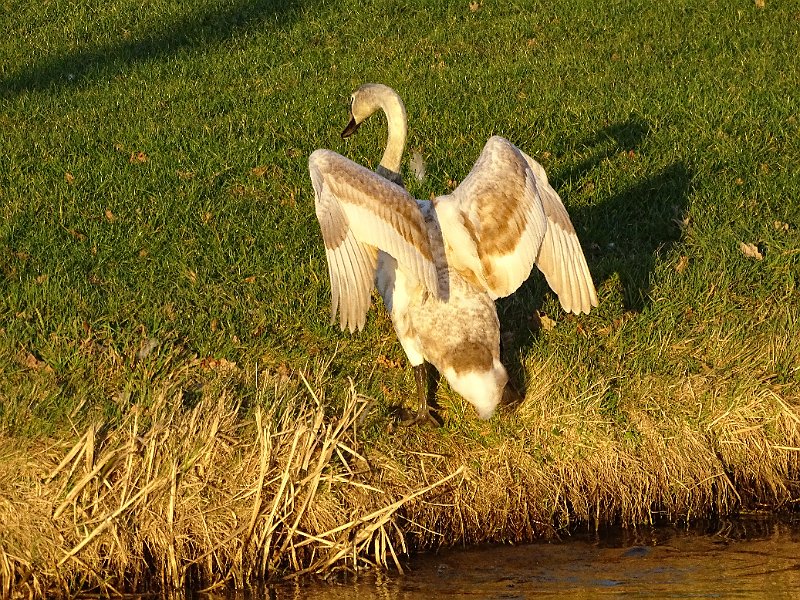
x: 424, y: 416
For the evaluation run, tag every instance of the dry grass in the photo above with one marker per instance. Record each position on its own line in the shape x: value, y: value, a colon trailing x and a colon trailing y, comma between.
x: 215, y: 494
x: 201, y: 496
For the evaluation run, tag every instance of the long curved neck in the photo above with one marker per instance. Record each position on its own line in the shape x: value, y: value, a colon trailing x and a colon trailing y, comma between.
x: 398, y: 129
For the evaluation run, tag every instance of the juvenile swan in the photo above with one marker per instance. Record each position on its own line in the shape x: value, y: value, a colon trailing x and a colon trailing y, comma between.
x: 440, y: 264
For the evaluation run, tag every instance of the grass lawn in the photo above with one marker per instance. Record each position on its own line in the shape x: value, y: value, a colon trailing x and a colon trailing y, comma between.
x: 158, y: 237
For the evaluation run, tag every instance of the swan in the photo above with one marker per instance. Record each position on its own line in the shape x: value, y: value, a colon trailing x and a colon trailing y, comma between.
x: 440, y: 264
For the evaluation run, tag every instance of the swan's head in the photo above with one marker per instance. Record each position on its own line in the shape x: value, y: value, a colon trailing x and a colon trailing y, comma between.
x: 366, y: 100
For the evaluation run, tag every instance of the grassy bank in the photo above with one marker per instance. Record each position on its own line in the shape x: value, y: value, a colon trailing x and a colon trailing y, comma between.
x: 163, y: 289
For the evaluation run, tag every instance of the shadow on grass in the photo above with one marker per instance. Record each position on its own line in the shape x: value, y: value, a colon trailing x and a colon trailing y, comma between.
x: 622, y: 236
x: 200, y: 27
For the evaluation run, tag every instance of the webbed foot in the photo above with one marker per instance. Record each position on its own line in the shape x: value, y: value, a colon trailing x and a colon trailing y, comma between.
x: 426, y: 416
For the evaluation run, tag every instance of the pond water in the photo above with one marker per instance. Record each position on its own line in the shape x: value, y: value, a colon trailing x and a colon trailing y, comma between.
x: 749, y: 558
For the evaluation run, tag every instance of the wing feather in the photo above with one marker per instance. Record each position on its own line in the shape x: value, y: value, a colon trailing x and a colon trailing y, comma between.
x: 359, y: 213
x: 561, y: 258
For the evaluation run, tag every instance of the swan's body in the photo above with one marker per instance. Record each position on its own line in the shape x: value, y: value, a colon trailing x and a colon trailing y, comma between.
x: 440, y: 264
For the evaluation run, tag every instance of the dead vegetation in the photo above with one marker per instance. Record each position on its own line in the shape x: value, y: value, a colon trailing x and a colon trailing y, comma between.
x: 218, y: 493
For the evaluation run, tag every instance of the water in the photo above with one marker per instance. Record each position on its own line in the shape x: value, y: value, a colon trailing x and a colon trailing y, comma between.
x: 742, y: 559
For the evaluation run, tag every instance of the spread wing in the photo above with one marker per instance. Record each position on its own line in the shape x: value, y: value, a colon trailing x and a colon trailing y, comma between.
x: 494, y: 222
x: 360, y: 213
x: 561, y: 258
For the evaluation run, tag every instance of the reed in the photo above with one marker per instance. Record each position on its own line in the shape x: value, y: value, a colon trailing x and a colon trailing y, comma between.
x: 175, y: 496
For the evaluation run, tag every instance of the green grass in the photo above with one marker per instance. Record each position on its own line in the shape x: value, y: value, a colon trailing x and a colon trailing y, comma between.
x: 671, y: 130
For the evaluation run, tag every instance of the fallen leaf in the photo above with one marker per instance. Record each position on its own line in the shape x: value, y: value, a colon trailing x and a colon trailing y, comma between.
x: 110, y: 216
x: 146, y: 348
x: 41, y: 279
x: 138, y: 157
x: 69, y: 178
x: 251, y: 279
x: 760, y: 3
x: 259, y: 171
x: 474, y: 6
x: 216, y: 364
x: 184, y: 174
x: 540, y: 320
x: 389, y: 363
x: 30, y: 361
x: 214, y: 325
x: 750, y: 251
x: 781, y: 226
x: 683, y: 262
x: 77, y: 234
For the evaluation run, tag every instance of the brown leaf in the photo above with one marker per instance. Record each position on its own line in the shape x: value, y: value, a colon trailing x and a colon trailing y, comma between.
x: 69, y: 178
x: 110, y: 216
x: 540, y: 320
x: 138, y: 157
x: 683, y: 262
x: 750, y: 251
x: 251, y: 279
x: 760, y: 3
x: 781, y: 226
x: 259, y: 171
x: 77, y: 234
x: 30, y: 361
x: 474, y: 6
x: 41, y: 279
x: 387, y: 362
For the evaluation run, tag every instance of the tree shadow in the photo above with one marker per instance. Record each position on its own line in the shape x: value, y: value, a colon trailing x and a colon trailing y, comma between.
x: 622, y: 236
x: 197, y: 28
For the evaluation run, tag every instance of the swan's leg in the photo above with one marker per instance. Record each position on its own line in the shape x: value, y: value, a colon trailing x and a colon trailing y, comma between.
x: 426, y: 413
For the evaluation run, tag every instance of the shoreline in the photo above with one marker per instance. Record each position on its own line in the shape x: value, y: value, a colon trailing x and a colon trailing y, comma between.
x: 214, y: 495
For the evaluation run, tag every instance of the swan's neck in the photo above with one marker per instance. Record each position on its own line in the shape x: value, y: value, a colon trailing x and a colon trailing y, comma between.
x: 398, y: 129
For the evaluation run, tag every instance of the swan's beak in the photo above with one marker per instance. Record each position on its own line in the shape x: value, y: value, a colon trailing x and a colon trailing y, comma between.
x: 351, y: 128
